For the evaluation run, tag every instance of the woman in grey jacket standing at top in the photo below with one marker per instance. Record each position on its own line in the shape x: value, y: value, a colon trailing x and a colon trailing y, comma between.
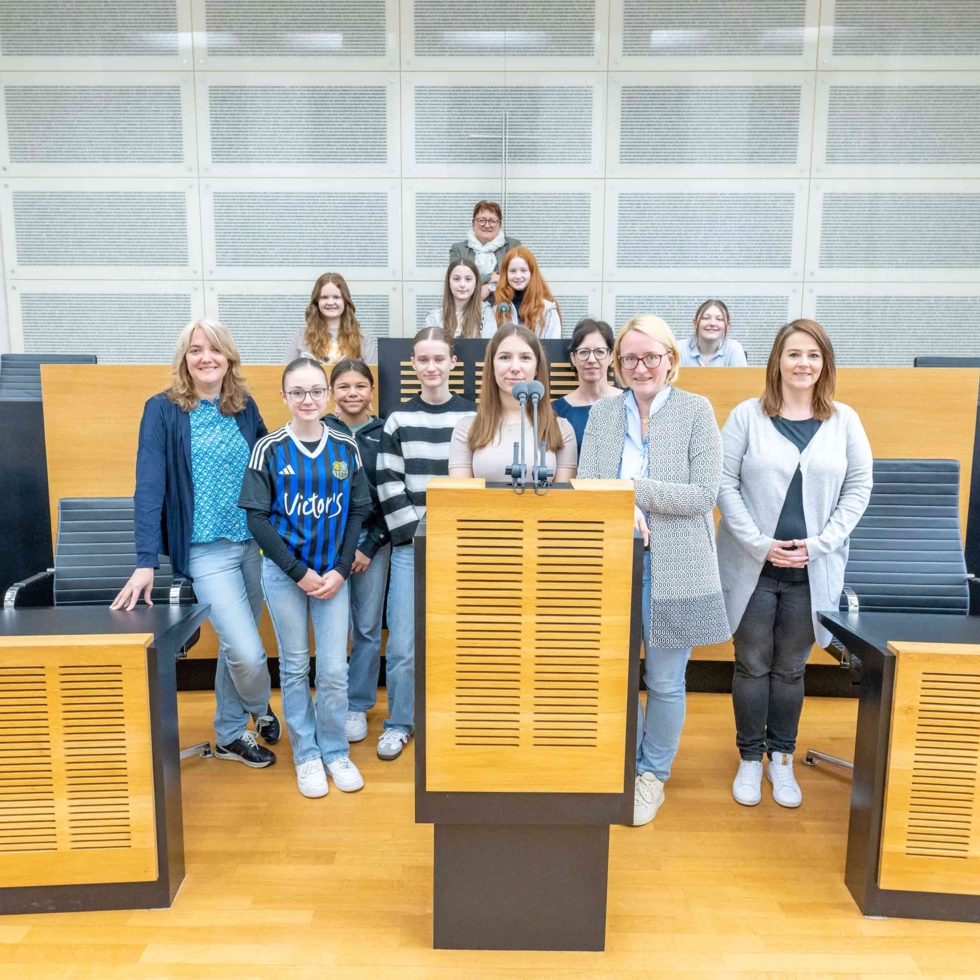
x: 485, y: 245
x: 666, y: 441
x: 796, y: 480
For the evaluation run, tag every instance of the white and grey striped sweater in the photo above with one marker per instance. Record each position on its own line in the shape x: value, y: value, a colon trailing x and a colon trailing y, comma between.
x: 414, y: 448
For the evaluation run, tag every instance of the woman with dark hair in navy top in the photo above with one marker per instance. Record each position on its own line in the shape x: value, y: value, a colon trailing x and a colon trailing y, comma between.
x: 306, y: 494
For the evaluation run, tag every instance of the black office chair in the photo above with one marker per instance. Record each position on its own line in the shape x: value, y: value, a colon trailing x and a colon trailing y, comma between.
x: 946, y: 362
x: 906, y: 553
x: 94, y: 557
x: 20, y: 374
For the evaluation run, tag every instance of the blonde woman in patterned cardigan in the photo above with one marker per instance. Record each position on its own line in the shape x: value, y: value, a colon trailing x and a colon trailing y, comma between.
x: 667, y: 442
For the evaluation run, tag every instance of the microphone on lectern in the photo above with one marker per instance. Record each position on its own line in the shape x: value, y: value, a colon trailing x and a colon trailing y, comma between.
x: 503, y: 309
x: 518, y: 469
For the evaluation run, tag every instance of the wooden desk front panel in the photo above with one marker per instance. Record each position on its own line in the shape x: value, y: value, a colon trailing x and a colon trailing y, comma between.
x: 76, y: 770
x: 930, y: 840
x: 527, y: 639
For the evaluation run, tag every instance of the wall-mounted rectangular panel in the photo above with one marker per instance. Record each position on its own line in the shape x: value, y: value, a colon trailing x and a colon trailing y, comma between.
x: 714, y: 229
x: 295, y: 35
x: 915, y: 124
x: 713, y: 35
x: 123, y: 124
x: 298, y: 229
x: 123, y: 322
x: 264, y: 317
x: 890, y: 324
x: 880, y: 230
x: 757, y: 309
x: 890, y: 35
x: 496, y: 35
x: 129, y: 228
x: 95, y: 35
x: 710, y: 125
x: 560, y: 221
x: 298, y: 124
x: 553, y: 124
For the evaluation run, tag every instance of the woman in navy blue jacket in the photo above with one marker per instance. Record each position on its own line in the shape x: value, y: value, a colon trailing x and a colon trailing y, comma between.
x: 194, y: 444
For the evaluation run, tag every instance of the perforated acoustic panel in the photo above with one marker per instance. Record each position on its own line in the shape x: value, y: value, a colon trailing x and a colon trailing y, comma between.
x: 931, y: 830
x: 526, y: 659
x: 76, y: 793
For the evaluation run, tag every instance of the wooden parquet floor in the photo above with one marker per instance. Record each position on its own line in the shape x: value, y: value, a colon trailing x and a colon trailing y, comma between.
x: 283, y: 888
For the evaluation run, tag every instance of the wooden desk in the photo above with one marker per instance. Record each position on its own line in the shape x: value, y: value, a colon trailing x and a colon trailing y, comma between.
x: 913, y: 841
x: 90, y: 806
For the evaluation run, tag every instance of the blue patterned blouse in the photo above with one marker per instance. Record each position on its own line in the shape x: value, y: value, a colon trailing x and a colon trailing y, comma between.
x: 219, y: 455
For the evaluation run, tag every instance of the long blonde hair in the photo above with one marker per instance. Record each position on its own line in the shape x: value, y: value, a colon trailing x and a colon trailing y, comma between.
x: 489, y: 414
x: 317, y: 337
x: 234, y: 390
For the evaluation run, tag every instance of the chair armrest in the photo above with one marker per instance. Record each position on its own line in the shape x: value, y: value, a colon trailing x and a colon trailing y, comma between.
x: 181, y: 591
x: 38, y: 590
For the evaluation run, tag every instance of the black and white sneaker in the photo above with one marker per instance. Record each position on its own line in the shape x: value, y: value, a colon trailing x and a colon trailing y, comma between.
x: 246, y: 749
x: 267, y: 726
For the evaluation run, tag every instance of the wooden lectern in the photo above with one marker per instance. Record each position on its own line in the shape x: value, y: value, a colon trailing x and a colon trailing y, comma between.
x: 527, y: 613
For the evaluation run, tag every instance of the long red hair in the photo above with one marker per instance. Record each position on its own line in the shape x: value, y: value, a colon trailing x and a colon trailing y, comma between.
x: 535, y: 292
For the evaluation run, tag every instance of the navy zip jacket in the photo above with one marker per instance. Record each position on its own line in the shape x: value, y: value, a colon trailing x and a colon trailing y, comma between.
x: 164, y: 498
x: 368, y: 445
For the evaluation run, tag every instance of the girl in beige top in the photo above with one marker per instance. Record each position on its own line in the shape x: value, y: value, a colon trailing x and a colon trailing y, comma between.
x: 483, y: 446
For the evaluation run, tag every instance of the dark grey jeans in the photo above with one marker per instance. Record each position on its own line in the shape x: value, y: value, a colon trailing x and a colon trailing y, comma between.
x: 772, y: 644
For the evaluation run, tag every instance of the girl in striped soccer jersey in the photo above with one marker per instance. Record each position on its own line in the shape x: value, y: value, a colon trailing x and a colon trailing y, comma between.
x: 306, y: 495
x: 414, y: 448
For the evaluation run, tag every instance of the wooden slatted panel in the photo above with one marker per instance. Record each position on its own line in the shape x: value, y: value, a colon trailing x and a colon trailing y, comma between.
x: 410, y: 385
x: 931, y: 832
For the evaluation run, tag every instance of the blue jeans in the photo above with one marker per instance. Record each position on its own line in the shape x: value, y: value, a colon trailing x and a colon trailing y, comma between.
x: 227, y: 575
x: 367, y: 593
x: 400, y: 652
x: 659, y: 733
x: 313, y: 733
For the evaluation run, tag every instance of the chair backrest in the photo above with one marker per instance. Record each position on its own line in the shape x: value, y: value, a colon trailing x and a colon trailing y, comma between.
x: 906, y: 553
x: 20, y: 374
x: 946, y: 362
x: 96, y: 553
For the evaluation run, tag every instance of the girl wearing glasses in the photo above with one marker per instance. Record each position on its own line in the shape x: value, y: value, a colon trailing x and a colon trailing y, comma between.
x: 305, y: 494
x: 590, y: 353
x: 667, y: 442
x: 523, y: 296
x: 332, y: 328
x: 485, y: 245
x: 710, y: 345
x: 462, y: 313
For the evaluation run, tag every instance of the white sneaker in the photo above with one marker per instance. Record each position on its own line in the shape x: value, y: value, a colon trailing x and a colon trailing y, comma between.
x: 355, y: 728
x: 311, y: 779
x: 346, y: 776
x: 648, y: 797
x: 747, y: 788
x: 785, y: 789
x: 390, y: 743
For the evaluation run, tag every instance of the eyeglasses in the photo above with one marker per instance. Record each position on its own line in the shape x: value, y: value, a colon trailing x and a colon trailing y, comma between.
x: 584, y: 353
x: 298, y: 395
x: 628, y: 362
x: 487, y: 222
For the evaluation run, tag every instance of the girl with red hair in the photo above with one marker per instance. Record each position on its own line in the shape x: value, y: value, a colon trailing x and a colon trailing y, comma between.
x: 522, y: 296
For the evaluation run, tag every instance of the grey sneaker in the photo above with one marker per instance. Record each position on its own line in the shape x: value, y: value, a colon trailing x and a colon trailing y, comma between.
x: 391, y: 743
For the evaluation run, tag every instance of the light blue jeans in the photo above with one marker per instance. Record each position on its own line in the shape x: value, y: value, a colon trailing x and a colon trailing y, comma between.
x: 314, y: 731
x: 367, y: 594
x: 228, y: 576
x: 658, y: 734
x: 400, y: 652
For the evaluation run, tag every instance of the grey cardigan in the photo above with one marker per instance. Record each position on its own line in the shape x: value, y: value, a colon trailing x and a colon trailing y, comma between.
x: 686, y: 604
x: 759, y: 464
x: 462, y: 250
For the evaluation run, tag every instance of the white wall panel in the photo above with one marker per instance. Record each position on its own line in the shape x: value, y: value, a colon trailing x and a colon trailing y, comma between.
x: 298, y: 124
x: 498, y: 35
x: 909, y: 124
x: 298, y: 229
x: 711, y: 229
x: 724, y: 124
x: 95, y: 35
x: 87, y: 124
x: 891, y: 230
x: 889, y: 35
x: 121, y: 322
x: 91, y: 228
x: 452, y: 124
x: 713, y: 35
x: 298, y: 35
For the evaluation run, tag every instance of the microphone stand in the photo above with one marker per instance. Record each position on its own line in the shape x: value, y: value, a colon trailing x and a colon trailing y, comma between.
x: 517, y: 471
x: 540, y: 472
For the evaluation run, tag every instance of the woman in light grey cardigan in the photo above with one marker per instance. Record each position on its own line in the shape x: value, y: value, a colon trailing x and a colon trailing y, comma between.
x: 796, y: 480
x: 666, y: 441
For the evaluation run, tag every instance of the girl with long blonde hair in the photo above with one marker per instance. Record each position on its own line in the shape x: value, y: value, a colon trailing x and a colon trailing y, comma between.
x: 332, y: 328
